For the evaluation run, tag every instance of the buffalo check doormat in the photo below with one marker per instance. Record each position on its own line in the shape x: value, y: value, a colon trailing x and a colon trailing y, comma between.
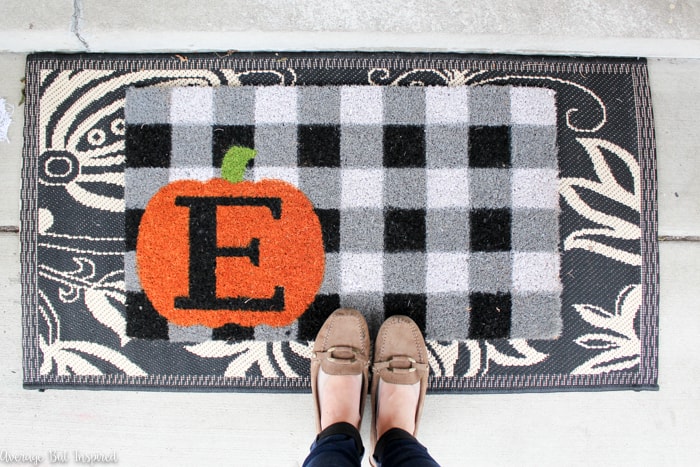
x: 190, y: 222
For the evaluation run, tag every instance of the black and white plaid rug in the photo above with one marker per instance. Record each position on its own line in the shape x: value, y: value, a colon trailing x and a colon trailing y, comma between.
x: 506, y: 204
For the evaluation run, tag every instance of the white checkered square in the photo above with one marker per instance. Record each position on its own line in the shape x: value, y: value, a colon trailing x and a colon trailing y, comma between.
x: 362, y: 188
x: 446, y: 105
x: 535, y: 188
x: 447, y: 188
x: 275, y: 104
x: 533, y: 106
x: 361, y: 272
x: 288, y: 174
x: 192, y: 105
x: 361, y: 105
x: 447, y: 272
x: 191, y: 173
x: 536, y: 272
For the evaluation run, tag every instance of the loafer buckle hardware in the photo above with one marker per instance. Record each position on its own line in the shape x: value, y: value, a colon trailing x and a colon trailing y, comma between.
x: 411, y: 361
x: 340, y: 360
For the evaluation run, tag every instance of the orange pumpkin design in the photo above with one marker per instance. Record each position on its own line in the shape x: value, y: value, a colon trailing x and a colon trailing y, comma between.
x: 230, y: 251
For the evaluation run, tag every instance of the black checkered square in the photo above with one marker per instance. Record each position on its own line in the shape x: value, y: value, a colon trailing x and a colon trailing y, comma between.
x: 489, y: 147
x: 319, y: 145
x: 490, y: 229
x: 404, y: 230
x: 225, y: 136
x: 404, y: 146
x: 148, y: 145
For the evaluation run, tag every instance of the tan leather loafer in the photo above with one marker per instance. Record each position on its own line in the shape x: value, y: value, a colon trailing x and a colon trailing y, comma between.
x: 400, y: 357
x: 342, y: 347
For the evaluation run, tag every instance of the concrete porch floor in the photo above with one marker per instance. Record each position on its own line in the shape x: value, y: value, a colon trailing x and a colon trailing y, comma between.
x: 192, y: 429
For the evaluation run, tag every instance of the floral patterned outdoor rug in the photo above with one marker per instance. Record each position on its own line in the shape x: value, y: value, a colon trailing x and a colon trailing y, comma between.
x: 190, y: 221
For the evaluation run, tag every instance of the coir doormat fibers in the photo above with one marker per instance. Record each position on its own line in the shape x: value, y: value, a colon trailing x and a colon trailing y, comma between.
x: 190, y: 221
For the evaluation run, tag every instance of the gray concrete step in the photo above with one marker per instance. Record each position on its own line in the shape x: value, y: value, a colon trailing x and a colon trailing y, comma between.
x: 649, y: 28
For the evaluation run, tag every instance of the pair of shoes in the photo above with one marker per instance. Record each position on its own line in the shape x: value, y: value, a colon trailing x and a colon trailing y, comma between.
x: 342, y: 347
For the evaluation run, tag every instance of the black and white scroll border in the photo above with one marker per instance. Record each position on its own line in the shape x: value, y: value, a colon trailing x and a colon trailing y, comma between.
x: 612, y: 345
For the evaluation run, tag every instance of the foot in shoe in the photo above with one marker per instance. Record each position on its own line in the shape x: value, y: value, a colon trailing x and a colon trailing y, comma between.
x: 396, y: 407
x: 339, y: 398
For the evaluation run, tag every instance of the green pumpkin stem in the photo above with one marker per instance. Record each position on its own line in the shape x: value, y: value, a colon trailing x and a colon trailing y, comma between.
x: 235, y: 162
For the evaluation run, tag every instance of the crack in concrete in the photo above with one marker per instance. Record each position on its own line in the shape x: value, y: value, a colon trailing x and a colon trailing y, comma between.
x: 75, y: 22
x: 679, y: 238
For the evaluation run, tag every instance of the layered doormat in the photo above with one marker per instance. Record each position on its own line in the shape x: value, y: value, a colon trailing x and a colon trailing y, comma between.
x: 188, y: 222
